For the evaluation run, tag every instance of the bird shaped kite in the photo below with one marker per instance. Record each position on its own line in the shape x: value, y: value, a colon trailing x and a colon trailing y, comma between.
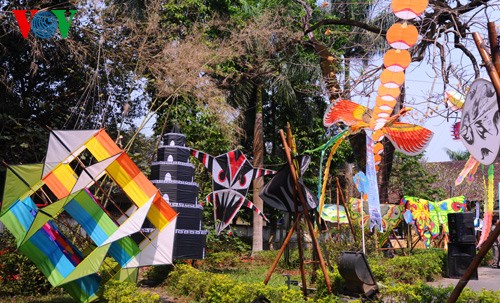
x: 232, y: 175
x: 407, y: 138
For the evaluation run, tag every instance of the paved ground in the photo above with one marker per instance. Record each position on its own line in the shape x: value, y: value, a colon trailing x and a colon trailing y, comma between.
x: 488, y: 278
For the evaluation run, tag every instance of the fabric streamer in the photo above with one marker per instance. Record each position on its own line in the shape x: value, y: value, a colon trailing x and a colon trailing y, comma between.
x: 488, y: 205
x: 373, y: 196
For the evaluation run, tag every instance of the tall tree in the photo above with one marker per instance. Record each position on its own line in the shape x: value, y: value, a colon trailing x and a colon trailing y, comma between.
x: 457, y: 155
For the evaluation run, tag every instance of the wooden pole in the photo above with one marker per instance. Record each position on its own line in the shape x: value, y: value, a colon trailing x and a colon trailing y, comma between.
x: 492, y: 237
x: 338, y: 212
x: 492, y: 72
x: 347, y: 212
x: 399, y: 243
x: 495, y: 51
x: 282, y: 249
x: 301, y: 260
x: 304, y: 212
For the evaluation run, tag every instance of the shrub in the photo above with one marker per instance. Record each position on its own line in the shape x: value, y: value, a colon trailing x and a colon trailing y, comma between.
x: 425, y: 265
x: 225, y: 241
x: 336, y: 281
x: 222, y: 261
x: 127, y: 292
x: 217, y: 288
x: 423, y: 293
x: 18, y: 275
x: 155, y: 275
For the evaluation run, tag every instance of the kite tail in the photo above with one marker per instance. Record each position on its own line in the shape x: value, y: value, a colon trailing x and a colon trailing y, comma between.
x: 252, y: 206
x: 488, y: 206
x: 468, y: 171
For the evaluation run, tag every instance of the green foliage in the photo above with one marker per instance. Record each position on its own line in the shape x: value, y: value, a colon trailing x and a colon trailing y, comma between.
x: 127, y: 292
x: 423, y: 293
x: 18, y: 275
x: 155, y: 275
x: 483, y: 296
x: 425, y: 265
x: 225, y: 242
x: 336, y: 281
x: 409, y: 178
x: 457, y: 155
x: 217, y: 288
x: 203, y: 129
x: 222, y: 260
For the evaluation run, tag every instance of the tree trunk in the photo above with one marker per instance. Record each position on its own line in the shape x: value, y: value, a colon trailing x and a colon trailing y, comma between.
x: 258, y: 161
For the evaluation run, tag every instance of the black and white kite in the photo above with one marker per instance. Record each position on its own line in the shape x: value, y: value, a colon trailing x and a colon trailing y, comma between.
x: 232, y: 175
x: 480, y: 125
x: 278, y: 192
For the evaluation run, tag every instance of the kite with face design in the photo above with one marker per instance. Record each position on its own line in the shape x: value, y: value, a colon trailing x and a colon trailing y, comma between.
x: 232, y: 175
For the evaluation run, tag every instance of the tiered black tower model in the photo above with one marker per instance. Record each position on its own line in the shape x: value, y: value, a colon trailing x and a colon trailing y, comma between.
x: 173, y: 175
x: 462, y: 244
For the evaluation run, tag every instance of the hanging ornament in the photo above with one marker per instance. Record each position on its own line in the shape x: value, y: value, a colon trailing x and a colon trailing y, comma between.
x: 402, y: 35
x: 397, y: 60
x: 392, y: 79
x: 388, y: 94
x: 408, y: 9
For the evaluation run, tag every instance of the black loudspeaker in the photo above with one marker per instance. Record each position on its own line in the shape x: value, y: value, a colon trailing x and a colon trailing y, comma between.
x: 461, y: 227
x: 460, y: 256
x: 190, y: 244
x: 354, y: 268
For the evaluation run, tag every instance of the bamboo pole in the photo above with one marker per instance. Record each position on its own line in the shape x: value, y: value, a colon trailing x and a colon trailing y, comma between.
x: 347, y: 212
x: 304, y: 211
x: 495, y: 51
x: 301, y: 260
x: 282, y: 249
x: 338, y: 212
x: 490, y: 67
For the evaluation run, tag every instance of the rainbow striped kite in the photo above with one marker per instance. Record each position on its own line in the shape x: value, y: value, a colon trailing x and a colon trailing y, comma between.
x: 65, y: 220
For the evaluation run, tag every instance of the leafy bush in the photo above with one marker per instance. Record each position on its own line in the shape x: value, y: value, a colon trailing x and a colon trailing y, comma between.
x: 155, y: 275
x: 18, y: 275
x: 226, y: 241
x: 425, y: 265
x: 336, y: 281
x: 127, y: 292
x: 222, y: 260
x: 217, y: 288
x: 423, y: 293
